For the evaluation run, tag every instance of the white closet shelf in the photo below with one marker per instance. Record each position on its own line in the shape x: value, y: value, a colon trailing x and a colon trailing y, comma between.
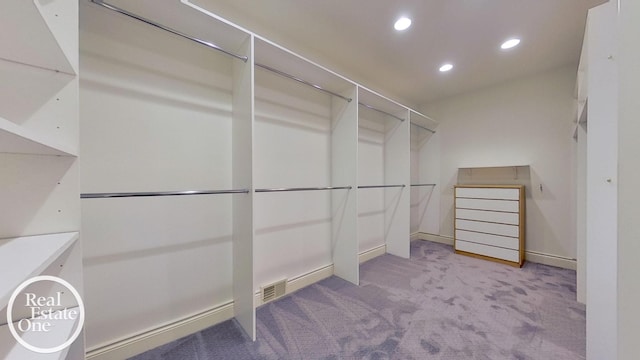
x: 27, y: 90
x: 583, y: 108
x: 29, y: 38
x: 14, y: 350
x: 17, y: 139
x: 43, y: 250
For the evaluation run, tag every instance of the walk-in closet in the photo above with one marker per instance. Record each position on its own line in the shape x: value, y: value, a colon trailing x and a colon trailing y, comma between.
x: 281, y: 179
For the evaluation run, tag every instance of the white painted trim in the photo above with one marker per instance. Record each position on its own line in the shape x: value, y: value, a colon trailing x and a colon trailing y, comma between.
x: 435, y: 238
x: 551, y: 260
x: 161, y: 335
x: 372, y: 253
x: 301, y: 281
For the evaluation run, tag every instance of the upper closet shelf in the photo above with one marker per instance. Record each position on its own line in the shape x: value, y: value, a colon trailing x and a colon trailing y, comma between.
x: 30, y: 28
x: 270, y: 56
x: 50, y: 339
x: 183, y: 19
x: 422, y: 121
x: 379, y: 113
x: 17, y: 139
x: 40, y: 252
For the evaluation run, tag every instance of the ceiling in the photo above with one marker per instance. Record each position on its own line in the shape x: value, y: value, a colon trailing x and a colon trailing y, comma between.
x: 356, y: 39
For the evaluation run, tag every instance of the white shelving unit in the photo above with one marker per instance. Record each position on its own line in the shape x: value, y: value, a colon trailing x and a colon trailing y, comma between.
x: 154, y: 101
x: 383, y: 160
x: 19, y: 140
x: 39, y: 216
x: 304, y: 138
x: 42, y: 249
x: 168, y: 103
x: 63, y: 331
x: 43, y: 34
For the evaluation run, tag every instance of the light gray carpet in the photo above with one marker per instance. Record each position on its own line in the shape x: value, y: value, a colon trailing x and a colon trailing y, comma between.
x: 437, y: 305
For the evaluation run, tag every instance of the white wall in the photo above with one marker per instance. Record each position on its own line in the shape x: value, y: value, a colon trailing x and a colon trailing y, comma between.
x: 523, y: 122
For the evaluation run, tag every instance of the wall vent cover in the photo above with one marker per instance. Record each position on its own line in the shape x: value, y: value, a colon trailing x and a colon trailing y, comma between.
x: 274, y: 291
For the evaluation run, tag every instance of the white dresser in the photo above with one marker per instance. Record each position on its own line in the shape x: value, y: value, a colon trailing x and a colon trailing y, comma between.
x: 490, y: 222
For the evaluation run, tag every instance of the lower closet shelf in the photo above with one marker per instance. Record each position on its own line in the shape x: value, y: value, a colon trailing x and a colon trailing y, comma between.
x: 11, y: 349
x: 42, y: 251
x: 19, y: 140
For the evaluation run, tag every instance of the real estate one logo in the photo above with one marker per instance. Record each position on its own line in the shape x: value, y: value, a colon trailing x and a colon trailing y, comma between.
x: 48, y: 318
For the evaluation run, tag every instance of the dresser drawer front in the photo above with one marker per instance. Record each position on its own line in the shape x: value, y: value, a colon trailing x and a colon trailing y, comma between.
x: 490, y: 205
x: 489, y: 239
x: 488, y: 193
x: 490, y: 216
x: 489, y: 228
x: 495, y: 252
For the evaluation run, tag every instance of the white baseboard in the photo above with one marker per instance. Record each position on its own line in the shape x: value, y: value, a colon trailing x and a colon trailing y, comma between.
x: 372, y: 253
x: 301, y: 281
x: 164, y: 334
x: 139, y: 343
x: 167, y: 333
x: 433, y: 237
x: 532, y: 256
x: 314, y: 276
x: 551, y: 260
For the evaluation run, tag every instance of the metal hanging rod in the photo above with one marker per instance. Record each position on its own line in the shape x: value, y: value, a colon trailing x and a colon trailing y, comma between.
x: 380, y: 111
x: 422, y: 127
x: 304, y: 189
x: 379, y: 186
x: 161, y: 193
x: 165, y: 28
x: 423, y: 184
x: 288, y: 76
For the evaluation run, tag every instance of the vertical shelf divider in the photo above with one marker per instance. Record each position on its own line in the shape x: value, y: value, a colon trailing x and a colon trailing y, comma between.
x: 243, y: 226
x: 344, y: 171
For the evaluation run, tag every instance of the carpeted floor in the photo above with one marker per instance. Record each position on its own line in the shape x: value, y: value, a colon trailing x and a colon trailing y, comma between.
x: 437, y: 305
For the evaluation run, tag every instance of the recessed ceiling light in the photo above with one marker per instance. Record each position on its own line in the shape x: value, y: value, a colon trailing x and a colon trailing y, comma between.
x: 446, y: 67
x: 510, y: 43
x: 402, y: 23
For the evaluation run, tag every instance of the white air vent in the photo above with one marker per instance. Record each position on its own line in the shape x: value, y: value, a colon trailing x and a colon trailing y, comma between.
x: 274, y: 291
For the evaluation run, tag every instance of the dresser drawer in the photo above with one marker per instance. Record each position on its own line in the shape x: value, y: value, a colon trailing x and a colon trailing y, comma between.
x: 491, y: 205
x: 489, y: 228
x: 490, y: 216
x: 488, y: 193
x: 489, y: 239
x: 494, y: 252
